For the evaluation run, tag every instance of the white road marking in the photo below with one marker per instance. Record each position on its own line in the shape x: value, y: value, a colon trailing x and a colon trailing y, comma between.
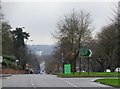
x: 31, y: 81
x: 70, y: 83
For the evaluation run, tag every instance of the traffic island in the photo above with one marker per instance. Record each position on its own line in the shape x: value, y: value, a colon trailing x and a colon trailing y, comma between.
x: 114, y: 82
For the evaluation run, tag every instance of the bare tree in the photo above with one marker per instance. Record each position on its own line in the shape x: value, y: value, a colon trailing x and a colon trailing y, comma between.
x: 74, y: 29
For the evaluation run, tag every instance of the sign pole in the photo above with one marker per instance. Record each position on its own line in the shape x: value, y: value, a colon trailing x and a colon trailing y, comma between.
x: 85, y: 53
x: 80, y: 66
x: 89, y: 60
x: 88, y: 65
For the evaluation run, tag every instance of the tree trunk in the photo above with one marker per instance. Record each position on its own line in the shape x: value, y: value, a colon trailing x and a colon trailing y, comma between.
x: 74, y: 63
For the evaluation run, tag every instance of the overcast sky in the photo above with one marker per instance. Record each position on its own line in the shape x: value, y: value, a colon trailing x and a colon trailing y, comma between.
x: 40, y: 18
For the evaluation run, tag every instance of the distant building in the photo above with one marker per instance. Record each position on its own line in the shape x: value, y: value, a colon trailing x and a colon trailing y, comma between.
x: 39, y: 53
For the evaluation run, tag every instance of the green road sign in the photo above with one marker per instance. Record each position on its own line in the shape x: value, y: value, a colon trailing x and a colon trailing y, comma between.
x: 67, y: 68
x: 85, y: 52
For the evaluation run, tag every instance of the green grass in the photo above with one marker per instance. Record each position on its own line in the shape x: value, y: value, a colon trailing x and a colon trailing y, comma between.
x: 91, y: 74
x: 115, y: 82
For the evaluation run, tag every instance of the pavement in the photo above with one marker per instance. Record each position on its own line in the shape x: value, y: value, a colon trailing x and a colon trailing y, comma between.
x: 44, y: 81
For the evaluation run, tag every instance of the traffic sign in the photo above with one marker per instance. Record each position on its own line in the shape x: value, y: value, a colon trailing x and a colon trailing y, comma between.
x: 85, y: 52
x: 90, y: 53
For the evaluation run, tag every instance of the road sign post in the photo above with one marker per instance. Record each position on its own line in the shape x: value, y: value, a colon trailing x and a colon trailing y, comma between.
x: 80, y: 66
x: 85, y: 53
x: 88, y: 65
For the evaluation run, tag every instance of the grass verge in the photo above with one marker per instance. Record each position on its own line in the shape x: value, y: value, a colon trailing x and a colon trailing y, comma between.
x: 91, y: 74
x: 115, y: 82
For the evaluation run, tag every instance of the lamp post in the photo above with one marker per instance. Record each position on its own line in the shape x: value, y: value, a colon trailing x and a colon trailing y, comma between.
x: 63, y: 62
x: 16, y: 61
x: 74, y: 67
x: 28, y: 50
x: 118, y: 39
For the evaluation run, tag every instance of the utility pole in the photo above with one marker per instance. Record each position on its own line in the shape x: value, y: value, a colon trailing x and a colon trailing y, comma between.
x: 118, y: 31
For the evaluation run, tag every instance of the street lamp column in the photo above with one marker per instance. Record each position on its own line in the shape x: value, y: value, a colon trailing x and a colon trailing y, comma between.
x: 30, y: 53
x: 17, y: 61
x: 63, y: 62
x: 118, y: 31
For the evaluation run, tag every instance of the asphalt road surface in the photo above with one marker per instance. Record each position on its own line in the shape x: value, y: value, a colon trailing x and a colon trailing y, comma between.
x: 44, y: 81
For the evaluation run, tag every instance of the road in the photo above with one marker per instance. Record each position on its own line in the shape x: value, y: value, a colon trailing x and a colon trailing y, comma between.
x: 45, y: 80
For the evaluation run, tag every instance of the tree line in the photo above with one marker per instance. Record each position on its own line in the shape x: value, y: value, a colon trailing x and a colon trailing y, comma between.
x: 74, y: 31
x: 14, y: 47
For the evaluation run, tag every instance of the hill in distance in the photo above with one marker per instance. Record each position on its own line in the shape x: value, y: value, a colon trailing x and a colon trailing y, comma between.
x: 42, y: 49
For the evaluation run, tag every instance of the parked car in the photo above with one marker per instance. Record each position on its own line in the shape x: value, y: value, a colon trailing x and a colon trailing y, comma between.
x: 117, y: 69
x: 38, y: 72
x: 107, y: 70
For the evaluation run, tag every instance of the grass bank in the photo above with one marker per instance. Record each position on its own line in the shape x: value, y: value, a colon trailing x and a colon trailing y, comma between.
x: 91, y: 74
x: 115, y: 82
